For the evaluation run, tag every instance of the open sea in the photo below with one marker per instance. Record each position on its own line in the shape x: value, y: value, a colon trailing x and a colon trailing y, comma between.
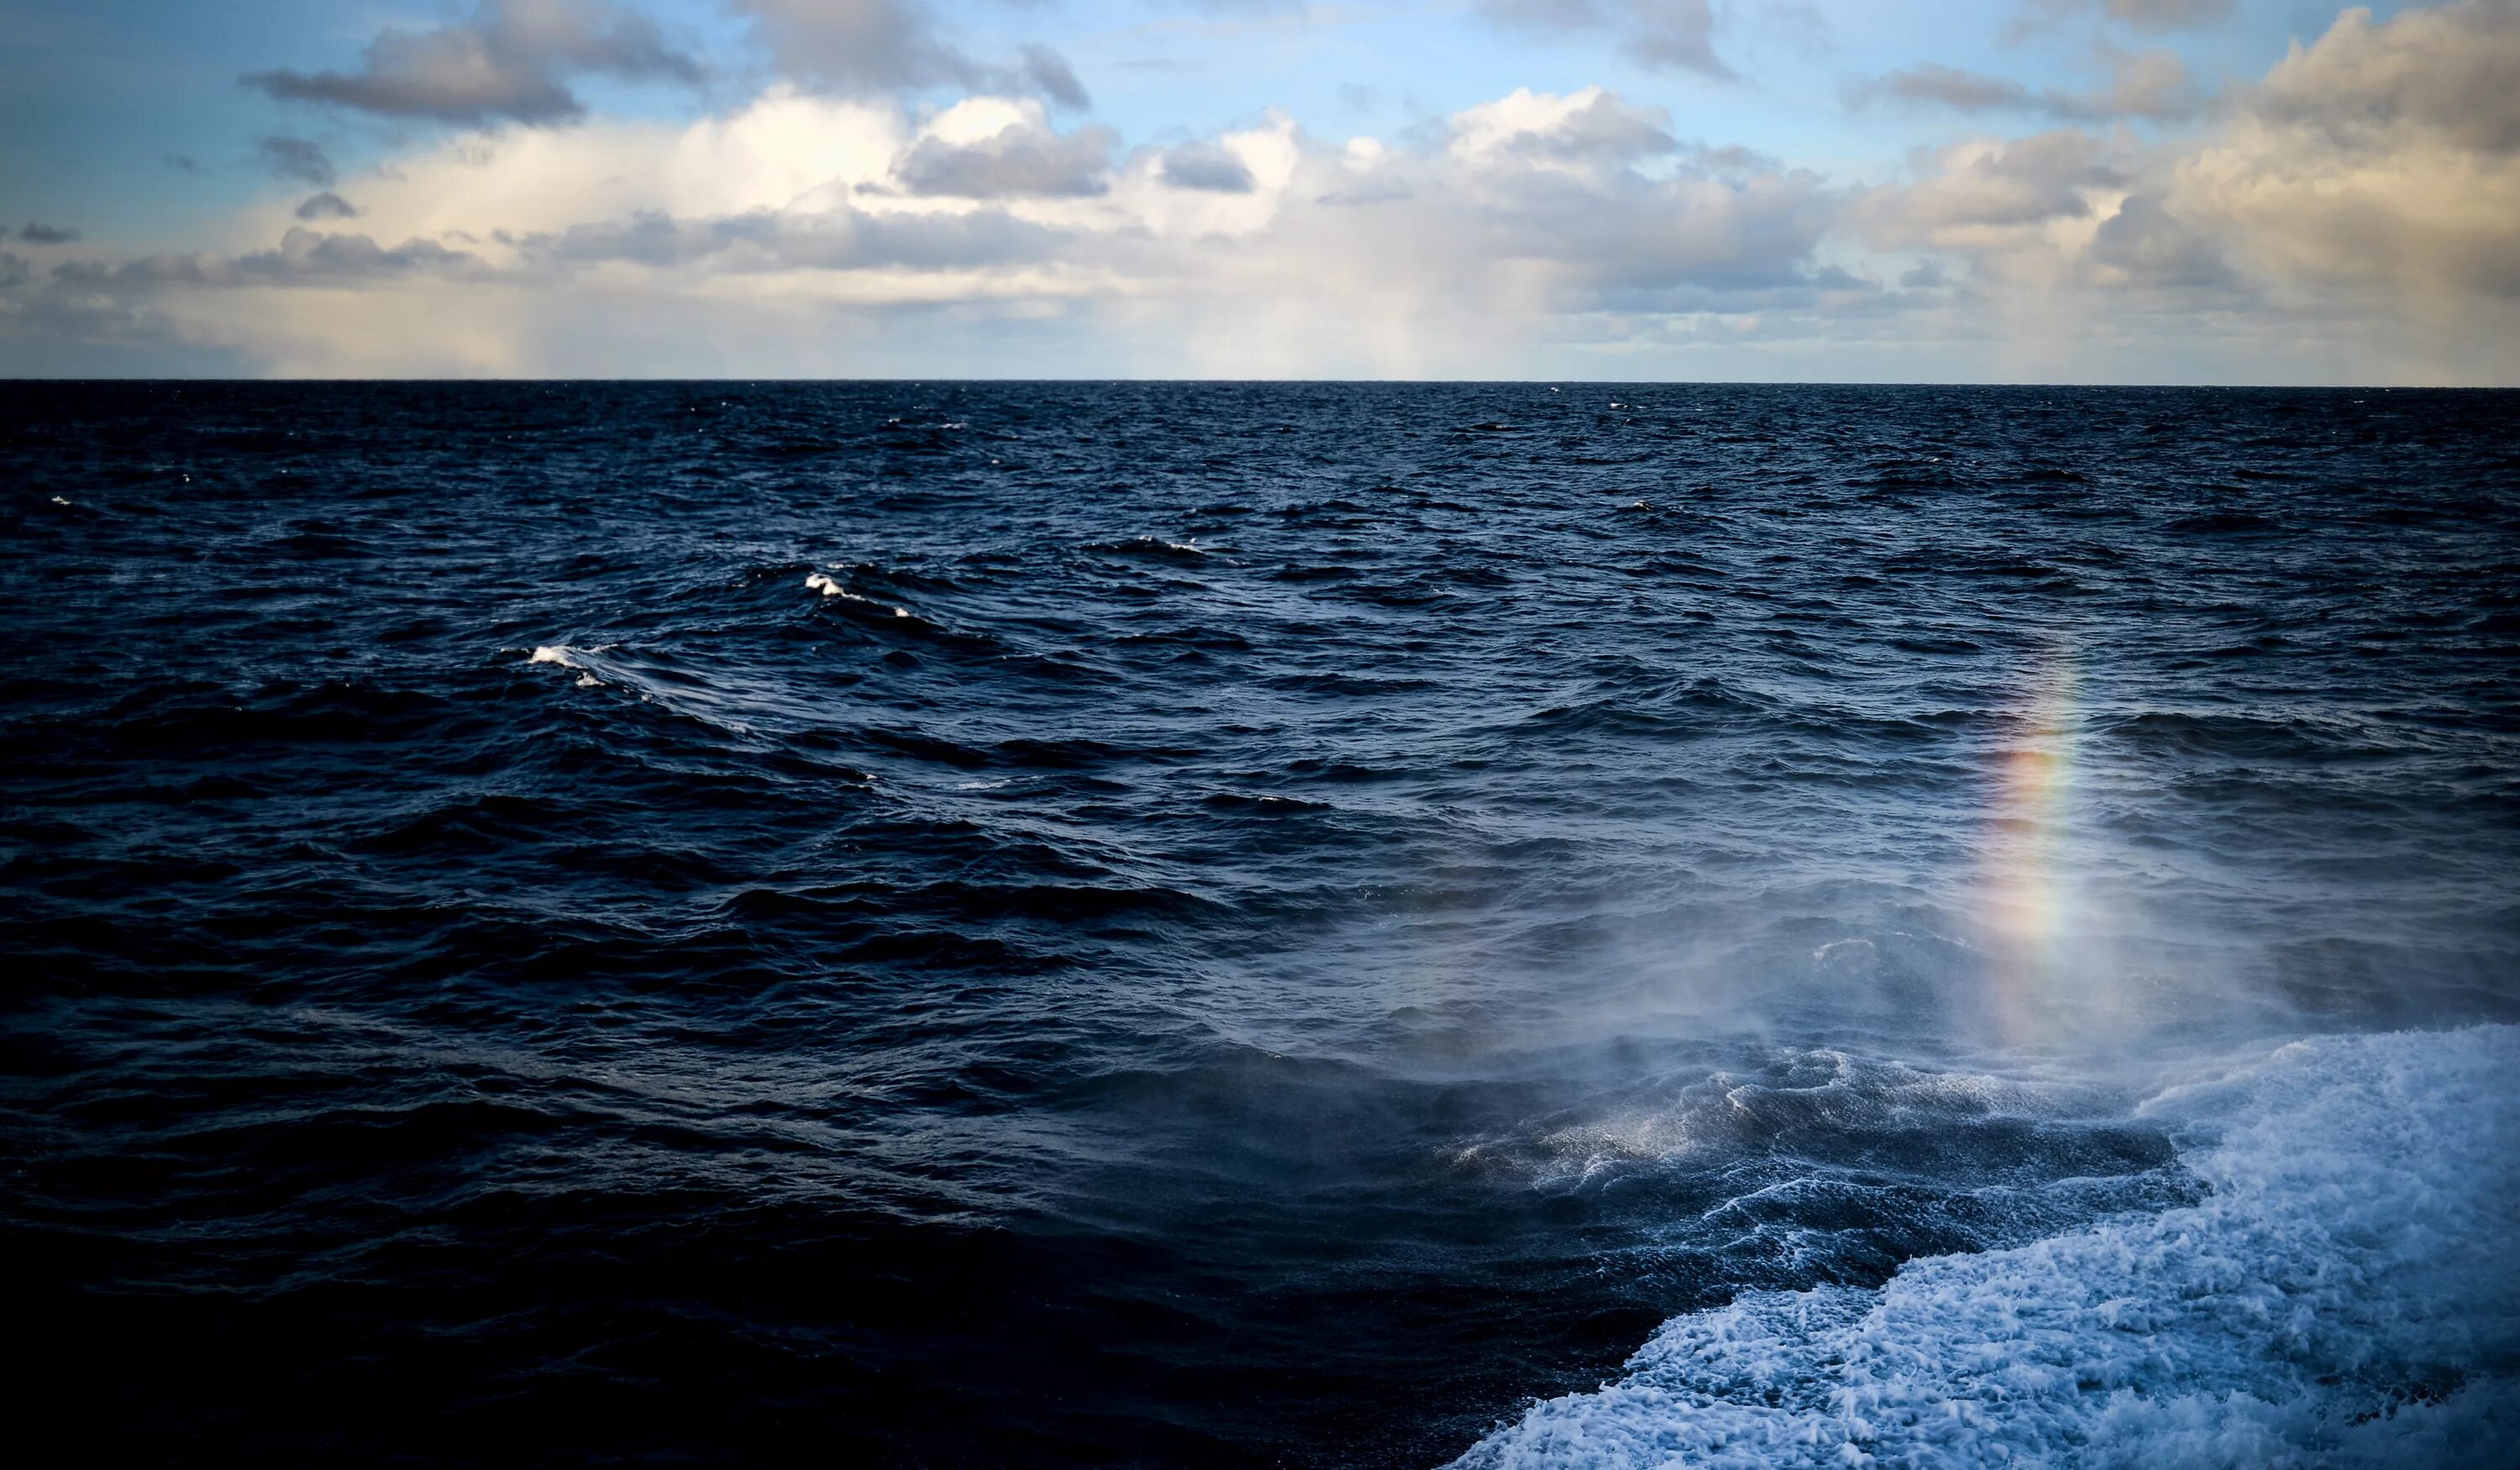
x: 1154, y: 925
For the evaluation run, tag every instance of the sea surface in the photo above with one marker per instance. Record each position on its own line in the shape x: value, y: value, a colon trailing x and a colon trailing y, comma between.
x: 1146, y: 924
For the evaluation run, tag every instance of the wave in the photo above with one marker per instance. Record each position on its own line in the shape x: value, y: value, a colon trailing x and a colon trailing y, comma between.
x: 830, y: 587
x: 2340, y: 1296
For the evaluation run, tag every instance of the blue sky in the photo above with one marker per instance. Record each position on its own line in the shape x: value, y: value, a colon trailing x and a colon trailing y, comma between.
x: 2113, y: 190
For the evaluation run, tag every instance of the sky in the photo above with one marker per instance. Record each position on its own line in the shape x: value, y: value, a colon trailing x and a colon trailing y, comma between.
x: 2047, y: 191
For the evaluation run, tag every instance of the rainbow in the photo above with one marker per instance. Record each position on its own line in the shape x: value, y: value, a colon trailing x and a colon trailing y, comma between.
x: 2026, y: 891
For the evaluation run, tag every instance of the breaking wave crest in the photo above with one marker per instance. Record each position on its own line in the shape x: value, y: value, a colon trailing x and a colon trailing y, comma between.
x: 2336, y: 1298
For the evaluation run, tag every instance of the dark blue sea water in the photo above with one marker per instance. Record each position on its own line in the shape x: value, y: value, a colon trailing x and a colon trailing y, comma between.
x: 1314, y: 926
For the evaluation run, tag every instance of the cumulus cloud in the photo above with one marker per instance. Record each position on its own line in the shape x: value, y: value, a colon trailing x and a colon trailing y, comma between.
x: 2385, y: 154
x: 509, y: 61
x: 1667, y: 35
x: 37, y: 233
x: 296, y: 160
x: 2152, y: 85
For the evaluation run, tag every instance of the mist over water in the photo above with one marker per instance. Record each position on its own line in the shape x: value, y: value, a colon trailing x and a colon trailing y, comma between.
x: 1262, y: 924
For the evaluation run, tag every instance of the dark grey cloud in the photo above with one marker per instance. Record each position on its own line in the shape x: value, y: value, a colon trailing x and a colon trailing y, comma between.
x: 2151, y: 85
x: 2152, y: 248
x: 507, y: 61
x: 1020, y: 162
x: 1052, y: 76
x: 36, y: 233
x: 1927, y: 276
x: 844, y: 238
x: 299, y: 159
x: 1604, y: 132
x: 14, y: 270
x: 327, y: 206
x: 304, y: 257
x: 1205, y: 166
x: 1667, y: 35
x: 1668, y: 245
x: 2024, y: 181
x: 183, y: 163
x: 858, y: 45
x: 863, y: 46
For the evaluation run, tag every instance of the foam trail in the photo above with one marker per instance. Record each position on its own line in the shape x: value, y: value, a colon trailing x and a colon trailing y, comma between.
x: 2343, y: 1296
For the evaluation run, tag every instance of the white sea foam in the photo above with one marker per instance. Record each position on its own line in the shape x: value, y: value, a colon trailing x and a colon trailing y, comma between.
x: 2343, y: 1296
x: 830, y: 587
x: 567, y: 658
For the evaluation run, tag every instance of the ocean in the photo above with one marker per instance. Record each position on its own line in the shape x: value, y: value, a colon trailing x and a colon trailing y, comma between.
x: 1212, y: 925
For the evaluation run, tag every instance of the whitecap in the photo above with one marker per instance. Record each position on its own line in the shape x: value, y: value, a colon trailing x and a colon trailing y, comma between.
x: 2342, y: 1295
x: 830, y: 587
x: 566, y: 658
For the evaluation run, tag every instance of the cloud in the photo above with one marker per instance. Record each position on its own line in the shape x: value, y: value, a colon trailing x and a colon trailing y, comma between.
x: 871, y: 47
x: 1507, y: 221
x: 2449, y: 75
x: 844, y: 238
x: 1208, y: 166
x: 296, y: 158
x: 14, y: 270
x: 858, y: 45
x: 304, y: 257
x: 507, y: 61
x: 327, y: 206
x: 35, y: 233
x: 1022, y: 157
x: 2384, y: 155
x: 2152, y: 85
x: 1986, y: 194
x: 1664, y: 35
x: 1054, y: 78
x: 2144, y: 244
x: 2366, y: 182
x: 1588, y: 129
x: 2140, y: 14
